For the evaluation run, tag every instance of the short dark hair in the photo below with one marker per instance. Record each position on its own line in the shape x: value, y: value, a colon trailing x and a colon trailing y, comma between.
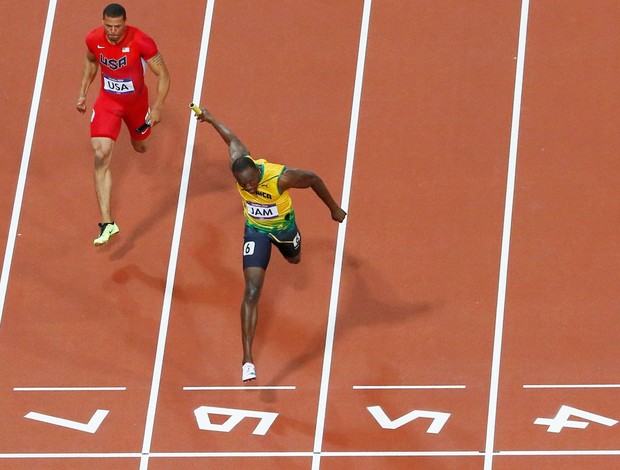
x: 114, y: 10
x: 241, y: 164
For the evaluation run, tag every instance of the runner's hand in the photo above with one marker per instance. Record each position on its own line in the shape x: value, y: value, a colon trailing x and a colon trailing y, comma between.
x: 154, y: 116
x: 205, y: 115
x: 81, y: 104
x: 338, y: 215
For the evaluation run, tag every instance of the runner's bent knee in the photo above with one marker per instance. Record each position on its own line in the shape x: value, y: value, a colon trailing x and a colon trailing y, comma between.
x: 294, y: 260
x: 140, y: 146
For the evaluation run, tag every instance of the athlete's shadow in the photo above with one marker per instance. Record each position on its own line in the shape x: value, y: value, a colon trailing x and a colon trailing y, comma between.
x: 207, y: 175
x: 357, y: 307
x: 216, y: 286
x: 166, y: 204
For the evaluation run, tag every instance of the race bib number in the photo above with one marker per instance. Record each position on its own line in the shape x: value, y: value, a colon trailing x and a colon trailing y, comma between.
x: 262, y: 211
x: 118, y: 86
x: 248, y: 248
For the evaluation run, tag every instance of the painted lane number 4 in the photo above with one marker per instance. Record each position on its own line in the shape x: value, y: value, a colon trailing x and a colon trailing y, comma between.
x: 561, y: 420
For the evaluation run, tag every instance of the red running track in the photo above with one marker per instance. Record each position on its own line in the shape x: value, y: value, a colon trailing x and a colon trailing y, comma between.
x: 387, y: 346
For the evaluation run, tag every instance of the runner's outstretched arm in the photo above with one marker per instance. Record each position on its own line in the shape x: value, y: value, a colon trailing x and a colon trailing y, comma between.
x: 235, y: 146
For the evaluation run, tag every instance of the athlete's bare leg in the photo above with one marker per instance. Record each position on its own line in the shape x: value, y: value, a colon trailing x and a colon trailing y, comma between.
x: 254, y: 278
x: 103, y: 147
x: 140, y: 146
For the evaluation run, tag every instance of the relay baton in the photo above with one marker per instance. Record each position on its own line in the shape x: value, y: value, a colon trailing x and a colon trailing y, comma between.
x: 143, y: 128
x: 195, y: 108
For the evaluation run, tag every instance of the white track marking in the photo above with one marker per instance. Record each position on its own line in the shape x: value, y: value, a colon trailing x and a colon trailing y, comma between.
x: 90, y: 427
x: 73, y: 455
x: 23, y: 170
x: 503, y: 271
x: 240, y: 388
x: 69, y: 389
x: 544, y: 386
x: 408, y: 387
x: 558, y: 453
x: 176, y: 240
x: 168, y: 455
x: 342, y: 229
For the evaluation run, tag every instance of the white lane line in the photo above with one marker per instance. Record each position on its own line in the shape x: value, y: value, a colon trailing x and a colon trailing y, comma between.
x: 176, y: 240
x: 229, y: 454
x: 23, y: 170
x: 551, y: 386
x: 69, y: 389
x: 421, y: 453
x: 248, y: 388
x: 342, y: 229
x: 408, y: 387
x: 457, y: 453
x: 67, y: 455
x: 503, y: 271
x: 168, y: 455
x: 558, y: 453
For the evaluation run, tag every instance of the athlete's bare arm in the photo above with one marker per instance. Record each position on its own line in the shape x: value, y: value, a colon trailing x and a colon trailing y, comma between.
x: 89, y: 71
x: 302, y: 179
x: 158, y: 67
x: 236, y: 149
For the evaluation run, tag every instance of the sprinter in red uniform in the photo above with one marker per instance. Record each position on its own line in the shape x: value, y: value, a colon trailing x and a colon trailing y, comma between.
x: 122, y: 52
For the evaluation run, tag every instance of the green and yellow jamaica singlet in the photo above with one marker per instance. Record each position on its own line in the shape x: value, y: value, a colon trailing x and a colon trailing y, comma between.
x: 268, y: 210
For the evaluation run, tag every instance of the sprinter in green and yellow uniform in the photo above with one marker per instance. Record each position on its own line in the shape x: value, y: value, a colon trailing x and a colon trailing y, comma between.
x: 269, y: 220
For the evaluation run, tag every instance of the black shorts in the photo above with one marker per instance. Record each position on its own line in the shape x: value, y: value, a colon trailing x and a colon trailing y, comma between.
x: 257, y: 245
